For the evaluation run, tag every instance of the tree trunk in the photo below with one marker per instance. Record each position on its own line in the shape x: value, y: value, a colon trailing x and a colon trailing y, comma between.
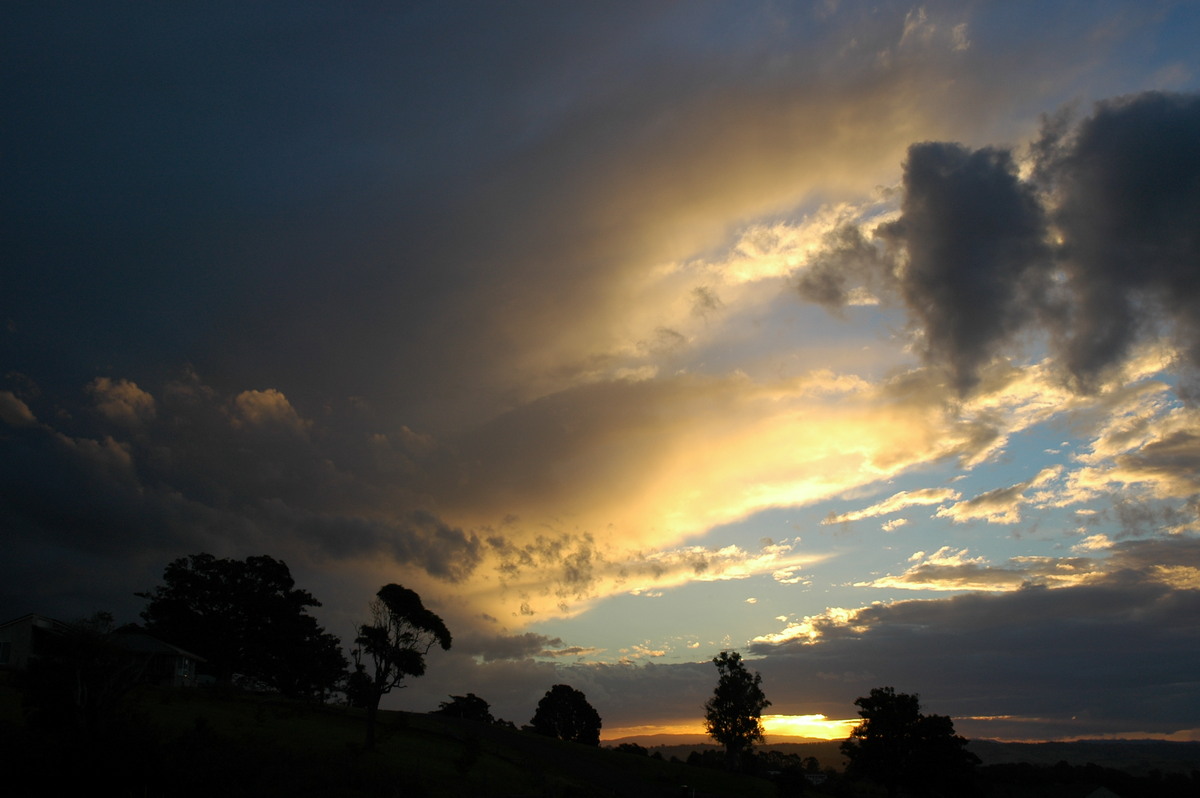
x: 372, y: 713
x: 733, y: 758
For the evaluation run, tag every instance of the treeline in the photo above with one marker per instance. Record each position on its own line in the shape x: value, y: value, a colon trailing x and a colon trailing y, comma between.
x: 245, y: 625
x: 248, y: 625
x: 899, y: 750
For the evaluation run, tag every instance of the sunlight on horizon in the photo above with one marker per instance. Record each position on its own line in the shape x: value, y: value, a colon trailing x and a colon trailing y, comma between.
x: 818, y: 726
x: 812, y: 726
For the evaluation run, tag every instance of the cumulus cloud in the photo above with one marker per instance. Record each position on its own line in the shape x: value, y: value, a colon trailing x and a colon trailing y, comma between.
x: 974, y: 254
x: 121, y: 401
x: 1096, y: 249
x: 15, y: 412
x: 267, y: 409
x: 1126, y: 186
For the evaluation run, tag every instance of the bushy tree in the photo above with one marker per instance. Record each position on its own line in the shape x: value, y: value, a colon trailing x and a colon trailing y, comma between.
x: 565, y: 713
x: 733, y: 716
x: 248, y: 620
x: 467, y: 707
x: 900, y: 748
x: 394, y: 645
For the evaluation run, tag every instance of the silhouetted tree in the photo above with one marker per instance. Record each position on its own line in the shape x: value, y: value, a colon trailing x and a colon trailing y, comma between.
x: 565, y: 713
x: 394, y: 643
x: 898, y: 747
x: 733, y: 715
x: 467, y: 707
x: 248, y: 620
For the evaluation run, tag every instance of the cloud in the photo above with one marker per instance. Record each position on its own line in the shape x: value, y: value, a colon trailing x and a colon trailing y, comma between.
x: 14, y: 412
x: 418, y: 538
x: 588, y: 493
x: 845, y: 270
x: 1095, y: 251
x: 1126, y: 187
x: 511, y: 647
x: 1169, y: 465
x: 999, y: 506
x: 1147, y: 447
x: 946, y: 569
x: 509, y: 322
x: 1045, y: 663
x: 1028, y: 653
x: 896, y: 502
x: 571, y: 651
x: 268, y: 410
x: 122, y: 402
x: 973, y: 268
x: 561, y: 575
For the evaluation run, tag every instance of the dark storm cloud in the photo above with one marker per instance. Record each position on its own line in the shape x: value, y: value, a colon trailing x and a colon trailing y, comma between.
x: 971, y: 254
x: 502, y: 647
x: 1036, y: 652
x: 973, y: 236
x: 120, y: 475
x: 848, y: 260
x: 967, y: 256
x: 1129, y: 182
x: 418, y: 538
x: 263, y: 190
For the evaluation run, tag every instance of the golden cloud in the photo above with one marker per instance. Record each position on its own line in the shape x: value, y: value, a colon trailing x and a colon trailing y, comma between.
x: 122, y: 401
x: 14, y: 412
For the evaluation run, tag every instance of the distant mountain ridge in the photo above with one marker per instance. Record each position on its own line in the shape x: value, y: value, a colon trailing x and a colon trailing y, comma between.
x: 1138, y: 757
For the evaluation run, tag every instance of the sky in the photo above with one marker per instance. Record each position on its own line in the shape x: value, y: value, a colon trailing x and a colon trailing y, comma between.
x: 860, y: 338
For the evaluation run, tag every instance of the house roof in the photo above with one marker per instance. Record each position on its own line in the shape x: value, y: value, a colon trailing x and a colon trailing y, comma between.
x: 33, y: 619
x: 133, y: 638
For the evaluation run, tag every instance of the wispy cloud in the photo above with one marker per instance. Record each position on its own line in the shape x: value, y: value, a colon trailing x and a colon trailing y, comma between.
x: 895, y: 503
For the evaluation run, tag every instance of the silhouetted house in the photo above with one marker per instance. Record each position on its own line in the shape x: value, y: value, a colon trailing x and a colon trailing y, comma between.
x: 25, y: 640
x: 165, y: 663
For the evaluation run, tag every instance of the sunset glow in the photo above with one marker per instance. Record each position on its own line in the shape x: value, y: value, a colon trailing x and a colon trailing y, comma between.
x: 859, y: 338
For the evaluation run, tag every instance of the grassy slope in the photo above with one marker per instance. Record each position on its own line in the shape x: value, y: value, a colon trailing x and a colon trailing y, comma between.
x: 203, y: 742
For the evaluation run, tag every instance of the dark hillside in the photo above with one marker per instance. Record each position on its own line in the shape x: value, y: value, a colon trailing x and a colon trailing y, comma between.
x: 205, y: 743
x: 1138, y: 757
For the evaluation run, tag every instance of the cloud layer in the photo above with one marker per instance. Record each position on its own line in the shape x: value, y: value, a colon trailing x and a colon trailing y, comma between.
x: 515, y: 306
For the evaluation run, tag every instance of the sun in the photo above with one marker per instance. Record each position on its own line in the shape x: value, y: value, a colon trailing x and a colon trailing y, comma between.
x: 815, y: 726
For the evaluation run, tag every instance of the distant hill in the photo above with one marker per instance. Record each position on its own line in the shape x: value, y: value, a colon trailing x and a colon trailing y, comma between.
x: 1138, y: 757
